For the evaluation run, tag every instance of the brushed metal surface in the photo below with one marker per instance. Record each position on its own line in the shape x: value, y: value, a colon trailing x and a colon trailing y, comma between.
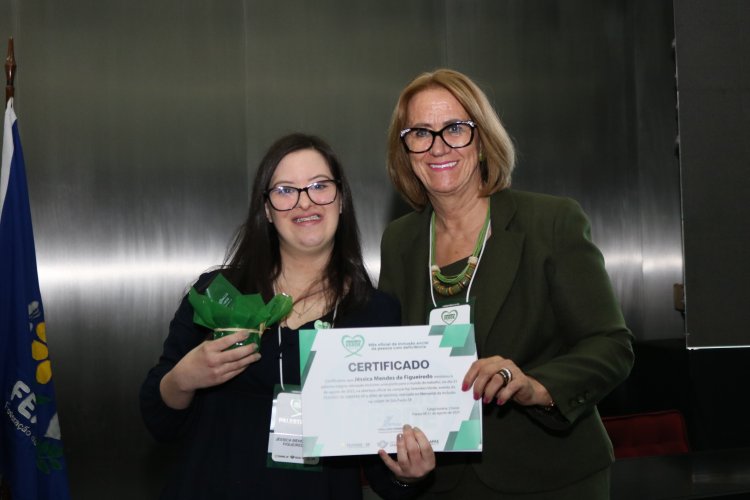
x: 142, y: 123
x: 712, y: 52
x: 133, y: 126
x: 586, y: 90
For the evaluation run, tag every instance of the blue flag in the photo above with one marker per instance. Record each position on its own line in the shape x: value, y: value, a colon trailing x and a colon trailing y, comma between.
x: 31, y: 460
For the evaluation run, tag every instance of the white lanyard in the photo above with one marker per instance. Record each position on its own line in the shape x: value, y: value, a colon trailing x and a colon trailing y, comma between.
x: 471, y: 281
x: 281, y: 354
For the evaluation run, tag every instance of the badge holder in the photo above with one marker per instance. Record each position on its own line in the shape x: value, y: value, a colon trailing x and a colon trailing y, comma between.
x: 285, y: 434
x: 452, y: 313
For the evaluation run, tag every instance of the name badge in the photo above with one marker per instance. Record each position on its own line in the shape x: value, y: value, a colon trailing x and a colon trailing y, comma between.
x: 285, y: 437
x: 459, y: 314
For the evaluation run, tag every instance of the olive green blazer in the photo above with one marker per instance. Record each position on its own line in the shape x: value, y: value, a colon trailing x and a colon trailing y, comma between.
x: 543, y: 299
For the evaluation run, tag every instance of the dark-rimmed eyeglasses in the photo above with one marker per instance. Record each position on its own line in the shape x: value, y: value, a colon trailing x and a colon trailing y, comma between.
x: 285, y: 198
x: 456, y: 135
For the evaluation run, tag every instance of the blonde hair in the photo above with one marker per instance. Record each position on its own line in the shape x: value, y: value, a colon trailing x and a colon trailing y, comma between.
x: 494, y: 142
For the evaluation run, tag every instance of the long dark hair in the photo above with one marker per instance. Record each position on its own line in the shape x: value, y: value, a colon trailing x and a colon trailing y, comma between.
x: 253, y: 259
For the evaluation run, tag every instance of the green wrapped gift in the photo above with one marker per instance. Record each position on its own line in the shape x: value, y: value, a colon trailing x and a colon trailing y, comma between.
x: 224, y: 310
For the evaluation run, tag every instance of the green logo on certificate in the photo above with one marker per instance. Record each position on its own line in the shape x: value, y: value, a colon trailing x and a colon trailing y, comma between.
x: 353, y: 344
x: 449, y: 317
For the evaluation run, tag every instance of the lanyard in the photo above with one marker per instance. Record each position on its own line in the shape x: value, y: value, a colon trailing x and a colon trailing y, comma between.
x: 281, y: 354
x: 429, y: 264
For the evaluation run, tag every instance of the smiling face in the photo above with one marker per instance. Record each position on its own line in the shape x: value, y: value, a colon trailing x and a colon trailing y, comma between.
x: 307, y: 229
x: 444, y: 171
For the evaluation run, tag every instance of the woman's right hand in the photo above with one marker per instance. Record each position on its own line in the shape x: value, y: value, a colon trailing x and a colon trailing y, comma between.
x: 415, y: 457
x: 210, y: 363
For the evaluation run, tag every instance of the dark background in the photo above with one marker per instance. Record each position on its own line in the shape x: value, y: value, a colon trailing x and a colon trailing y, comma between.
x: 142, y: 123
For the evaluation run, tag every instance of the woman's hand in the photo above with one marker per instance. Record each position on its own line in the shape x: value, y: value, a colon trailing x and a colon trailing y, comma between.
x: 488, y: 384
x: 415, y: 458
x: 209, y: 364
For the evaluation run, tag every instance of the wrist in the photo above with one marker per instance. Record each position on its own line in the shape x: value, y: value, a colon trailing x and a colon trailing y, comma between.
x: 172, y: 394
x: 542, y: 397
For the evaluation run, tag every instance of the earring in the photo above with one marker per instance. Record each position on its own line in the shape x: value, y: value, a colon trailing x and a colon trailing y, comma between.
x: 481, y: 156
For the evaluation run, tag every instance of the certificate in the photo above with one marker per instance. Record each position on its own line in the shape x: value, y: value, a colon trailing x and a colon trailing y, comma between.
x: 361, y: 385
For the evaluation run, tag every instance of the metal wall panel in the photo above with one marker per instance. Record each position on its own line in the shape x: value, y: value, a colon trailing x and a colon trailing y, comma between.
x: 562, y: 79
x: 132, y: 119
x: 335, y: 69
x: 657, y: 186
x: 143, y: 123
x: 713, y: 51
x: 586, y: 89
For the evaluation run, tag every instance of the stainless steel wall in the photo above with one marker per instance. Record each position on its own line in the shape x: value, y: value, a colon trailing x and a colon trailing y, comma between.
x: 142, y: 123
x: 714, y: 89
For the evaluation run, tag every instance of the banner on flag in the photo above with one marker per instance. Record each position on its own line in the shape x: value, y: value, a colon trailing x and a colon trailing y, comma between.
x: 32, y: 464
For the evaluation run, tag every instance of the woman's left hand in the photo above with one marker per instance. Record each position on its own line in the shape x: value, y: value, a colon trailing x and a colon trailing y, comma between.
x: 415, y: 457
x: 488, y: 384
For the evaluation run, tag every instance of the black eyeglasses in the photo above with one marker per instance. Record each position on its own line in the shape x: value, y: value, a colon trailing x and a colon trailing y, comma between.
x: 285, y: 198
x: 456, y: 135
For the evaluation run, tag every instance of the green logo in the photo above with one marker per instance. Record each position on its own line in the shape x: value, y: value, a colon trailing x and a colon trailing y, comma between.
x: 449, y: 317
x: 353, y: 344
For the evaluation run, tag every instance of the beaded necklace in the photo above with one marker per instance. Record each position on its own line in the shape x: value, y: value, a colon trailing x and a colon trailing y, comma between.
x: 451, y: 285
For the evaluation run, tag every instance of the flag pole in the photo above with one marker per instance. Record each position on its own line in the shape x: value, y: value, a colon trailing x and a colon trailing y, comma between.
x: 10, y: 71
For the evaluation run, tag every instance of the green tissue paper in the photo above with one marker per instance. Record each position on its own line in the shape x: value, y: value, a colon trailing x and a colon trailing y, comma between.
x: 224, y: 310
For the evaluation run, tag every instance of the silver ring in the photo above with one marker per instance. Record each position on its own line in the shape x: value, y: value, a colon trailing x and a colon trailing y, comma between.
x: 506, y: 374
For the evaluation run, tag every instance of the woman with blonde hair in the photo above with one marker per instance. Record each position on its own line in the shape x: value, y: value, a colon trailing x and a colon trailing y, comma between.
x: 522, y: 268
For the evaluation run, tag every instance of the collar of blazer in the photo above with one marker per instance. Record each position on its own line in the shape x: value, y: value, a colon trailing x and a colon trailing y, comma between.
x: 495, y: 274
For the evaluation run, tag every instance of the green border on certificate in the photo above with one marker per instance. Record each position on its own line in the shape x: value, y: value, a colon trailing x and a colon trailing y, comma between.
x: 361, y: 385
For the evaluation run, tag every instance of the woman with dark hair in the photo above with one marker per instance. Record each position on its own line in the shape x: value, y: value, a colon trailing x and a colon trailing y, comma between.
x: 300, y: 238
x: 550, y: 336
x: 256, y: 252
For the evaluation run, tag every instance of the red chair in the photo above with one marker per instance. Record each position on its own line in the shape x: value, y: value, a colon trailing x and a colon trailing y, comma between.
x: 648, y: 434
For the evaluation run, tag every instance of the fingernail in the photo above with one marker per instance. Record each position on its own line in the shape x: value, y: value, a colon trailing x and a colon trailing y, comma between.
x: 399, y: 437
x: 476, y: 396
x: 465, y: 387
x: 500, y: 402
x: 486, y: 399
